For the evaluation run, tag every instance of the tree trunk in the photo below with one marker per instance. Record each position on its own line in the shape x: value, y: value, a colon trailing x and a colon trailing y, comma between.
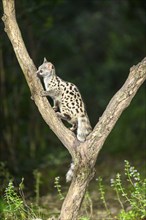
x: 73, y: 200
x: 84, y: 154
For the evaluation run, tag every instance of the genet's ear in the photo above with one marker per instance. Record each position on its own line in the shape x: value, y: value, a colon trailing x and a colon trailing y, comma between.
x: 45, y: 60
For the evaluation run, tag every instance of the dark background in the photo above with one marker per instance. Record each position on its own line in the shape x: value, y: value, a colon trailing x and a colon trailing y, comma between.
x: 92, y: 43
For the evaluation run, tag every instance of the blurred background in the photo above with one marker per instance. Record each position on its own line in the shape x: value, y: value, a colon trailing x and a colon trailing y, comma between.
x: 92, y: 43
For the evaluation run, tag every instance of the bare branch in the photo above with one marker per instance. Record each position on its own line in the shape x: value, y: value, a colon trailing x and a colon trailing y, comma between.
x: 120, y: 101
x: 65, y: 135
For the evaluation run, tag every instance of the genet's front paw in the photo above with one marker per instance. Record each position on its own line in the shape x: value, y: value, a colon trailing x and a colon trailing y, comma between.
x: 55, y: 108
x: 43, y: 93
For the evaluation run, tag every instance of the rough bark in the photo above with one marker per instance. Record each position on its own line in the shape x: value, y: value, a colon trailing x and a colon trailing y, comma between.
x: 83, y: 154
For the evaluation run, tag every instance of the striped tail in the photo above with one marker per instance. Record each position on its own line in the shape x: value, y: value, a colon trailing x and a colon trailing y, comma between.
x: 70, y: 173
x: 84, y: 128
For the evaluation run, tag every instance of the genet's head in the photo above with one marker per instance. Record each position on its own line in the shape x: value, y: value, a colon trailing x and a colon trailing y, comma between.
x: 46, y: 69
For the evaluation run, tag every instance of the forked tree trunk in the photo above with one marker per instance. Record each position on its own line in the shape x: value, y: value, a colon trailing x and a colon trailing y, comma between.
x: 84, y: 154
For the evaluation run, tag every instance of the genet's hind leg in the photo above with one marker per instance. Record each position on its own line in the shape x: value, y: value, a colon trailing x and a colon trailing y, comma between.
x: 56, y: 105
x: 67, y: 118
x: 63, y: 116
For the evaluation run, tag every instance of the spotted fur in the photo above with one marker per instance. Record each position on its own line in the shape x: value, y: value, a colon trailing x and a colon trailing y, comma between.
x: 68, y: 102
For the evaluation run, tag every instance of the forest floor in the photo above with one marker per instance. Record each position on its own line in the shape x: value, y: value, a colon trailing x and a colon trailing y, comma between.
x: 93, y: 207
x: 100, y: 203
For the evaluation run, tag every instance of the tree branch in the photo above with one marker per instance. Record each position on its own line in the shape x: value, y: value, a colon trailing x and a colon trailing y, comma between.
x: 120, y: 101
x: 65, y: 135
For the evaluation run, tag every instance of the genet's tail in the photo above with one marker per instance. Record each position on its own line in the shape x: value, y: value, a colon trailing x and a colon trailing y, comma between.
x: 70, y: 173
x: 84, y: 128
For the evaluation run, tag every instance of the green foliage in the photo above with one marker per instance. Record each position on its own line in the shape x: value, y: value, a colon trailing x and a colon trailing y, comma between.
x: 14, y: 204
x: 57, y: 185
x: 137, y: 199
x: 84, y: 218
x: 102, y: 195
x: 131, y: 196
x: 130, y: 215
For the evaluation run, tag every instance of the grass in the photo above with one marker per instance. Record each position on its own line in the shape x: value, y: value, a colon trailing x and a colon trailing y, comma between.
x: 120, y: 197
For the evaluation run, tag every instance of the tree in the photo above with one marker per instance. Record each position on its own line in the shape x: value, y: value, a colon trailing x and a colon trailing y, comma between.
x: 84, y: 154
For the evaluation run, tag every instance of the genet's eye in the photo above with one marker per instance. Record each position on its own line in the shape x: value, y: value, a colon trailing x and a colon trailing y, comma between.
x: 41, y: 71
